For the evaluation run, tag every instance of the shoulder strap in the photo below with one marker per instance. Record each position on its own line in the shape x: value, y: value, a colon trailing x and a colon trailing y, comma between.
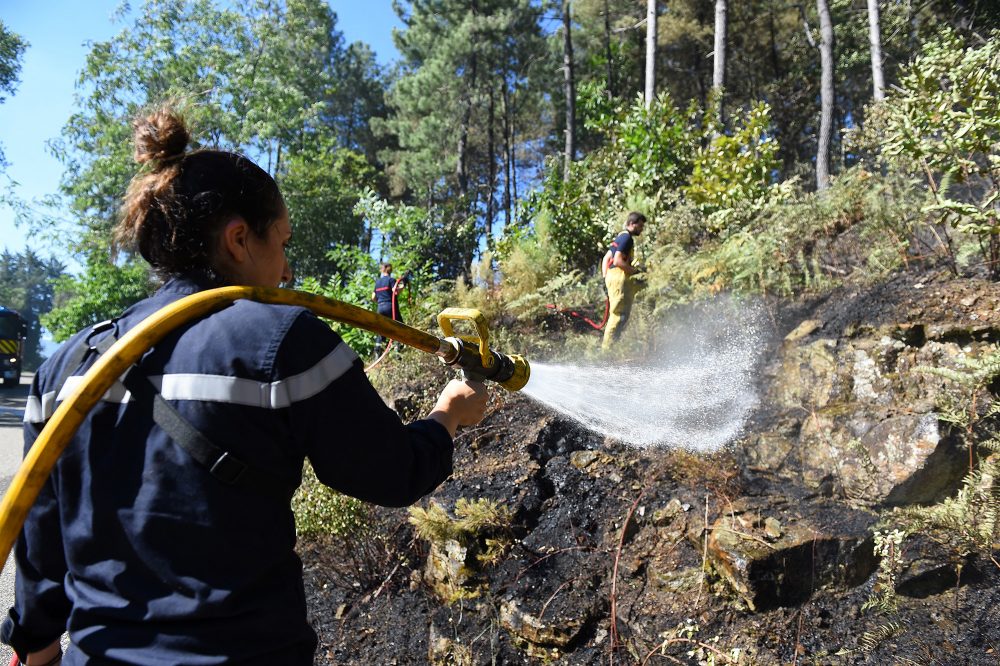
x: 220, y: 463
x: 79, y: 353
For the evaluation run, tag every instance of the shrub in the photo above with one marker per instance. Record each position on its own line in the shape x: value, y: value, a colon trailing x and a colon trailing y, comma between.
x: 322, y: 510
x: 354, y: 539
x: 352, y: 282
x: 733, y: 174
x: 942, y: 121
x: 647, y: 155
x: 103, y: 291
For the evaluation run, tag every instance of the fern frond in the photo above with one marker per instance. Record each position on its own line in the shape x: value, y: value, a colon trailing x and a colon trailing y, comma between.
x: 870, y: 640
x: 432, y: 523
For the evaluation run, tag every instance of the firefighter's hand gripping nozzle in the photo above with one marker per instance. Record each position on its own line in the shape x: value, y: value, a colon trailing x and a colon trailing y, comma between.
x: 473, y: 355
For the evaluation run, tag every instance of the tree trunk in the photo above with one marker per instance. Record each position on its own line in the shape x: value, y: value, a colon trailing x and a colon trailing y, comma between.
x: 775, y: 59
x: 650, y: 52
x: 874, y: 36
x: 569, y: 90
x: 826, y: 93
x: 507, y: 150
x: 607, y: 50
x: 513, y: 157
x: 719, y: 69
x: 491, y: 171
x: 913, y: 22
x: 461, y: 168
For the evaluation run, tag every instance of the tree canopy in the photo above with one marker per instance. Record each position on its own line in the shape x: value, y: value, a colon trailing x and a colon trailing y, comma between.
x: 446, y: 155
x: 12, y: 47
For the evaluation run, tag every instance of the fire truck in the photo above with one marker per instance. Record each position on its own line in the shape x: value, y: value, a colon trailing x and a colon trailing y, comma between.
x: 13, y: 330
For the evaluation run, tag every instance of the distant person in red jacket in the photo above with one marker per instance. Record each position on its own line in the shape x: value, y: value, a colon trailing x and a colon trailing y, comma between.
x: 385, y: 295
x: 619, y: 273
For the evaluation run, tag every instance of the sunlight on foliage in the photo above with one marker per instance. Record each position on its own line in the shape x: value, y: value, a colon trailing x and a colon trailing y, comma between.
x: 474, y: 520
x: 103, y: 291
x: 942, y: 121
x: 352, y: 281
x: 322, y: 510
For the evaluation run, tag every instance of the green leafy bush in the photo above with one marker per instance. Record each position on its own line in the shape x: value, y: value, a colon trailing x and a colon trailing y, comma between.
x: 438, y: 240
x: 647, y: 154
x: 322, y: 510
x: 353, y: 538
x: 321, y: 188
x: 354, y: 283
x: 733, y: 175
x: 943, y: 122
x: 104, y: 290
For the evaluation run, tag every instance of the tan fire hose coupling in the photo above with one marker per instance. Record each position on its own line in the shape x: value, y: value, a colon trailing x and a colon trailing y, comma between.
x: 512, y: 373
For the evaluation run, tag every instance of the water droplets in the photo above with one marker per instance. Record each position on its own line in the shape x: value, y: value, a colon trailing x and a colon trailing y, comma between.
x: 697, y: 394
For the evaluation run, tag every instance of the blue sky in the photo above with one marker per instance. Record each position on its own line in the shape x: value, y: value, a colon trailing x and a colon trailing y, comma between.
x: 58, y: 32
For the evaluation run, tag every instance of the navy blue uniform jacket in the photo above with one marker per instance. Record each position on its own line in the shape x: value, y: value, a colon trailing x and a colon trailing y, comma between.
x: 622, y: 243
x: 141, y: 554
x: 383, y: 290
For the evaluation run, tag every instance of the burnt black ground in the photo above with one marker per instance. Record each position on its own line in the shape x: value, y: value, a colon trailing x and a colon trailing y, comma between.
x: 568, y: 529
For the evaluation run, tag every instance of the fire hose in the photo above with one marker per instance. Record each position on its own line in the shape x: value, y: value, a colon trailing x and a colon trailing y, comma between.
x: 573, y: 313
x: 471, y: 354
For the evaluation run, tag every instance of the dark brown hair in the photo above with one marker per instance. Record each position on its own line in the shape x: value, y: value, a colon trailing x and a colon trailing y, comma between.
x: 634, y: 217
x: 176, y: 206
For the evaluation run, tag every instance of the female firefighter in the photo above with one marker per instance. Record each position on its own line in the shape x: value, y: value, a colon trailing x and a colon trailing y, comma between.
x: 164, y: 534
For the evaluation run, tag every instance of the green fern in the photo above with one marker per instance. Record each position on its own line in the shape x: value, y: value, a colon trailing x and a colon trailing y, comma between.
x: 972, y: 517
x: 887, y: 549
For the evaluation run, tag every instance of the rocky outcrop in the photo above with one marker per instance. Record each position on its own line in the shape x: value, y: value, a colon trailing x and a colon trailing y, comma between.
x: 449, y: 571
x: 775, y: 554
x: 857, y: 417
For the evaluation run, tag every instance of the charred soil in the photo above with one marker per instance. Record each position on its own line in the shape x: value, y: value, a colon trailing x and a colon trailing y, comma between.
x: 606, y: 559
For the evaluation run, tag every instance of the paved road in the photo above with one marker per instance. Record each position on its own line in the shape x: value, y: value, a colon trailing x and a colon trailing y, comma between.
x: 11, y: 412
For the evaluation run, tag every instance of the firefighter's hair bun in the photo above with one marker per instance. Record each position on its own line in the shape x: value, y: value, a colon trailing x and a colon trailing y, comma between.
x: 160, y: 137
x: 174, y: 208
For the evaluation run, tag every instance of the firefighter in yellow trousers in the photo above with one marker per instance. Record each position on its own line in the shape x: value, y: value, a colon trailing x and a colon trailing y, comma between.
x: 619, y: 279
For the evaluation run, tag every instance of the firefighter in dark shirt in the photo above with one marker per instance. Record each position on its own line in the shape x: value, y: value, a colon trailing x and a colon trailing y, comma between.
x: 140, y: 547
x: 619, y: 278
x: 386, y: 295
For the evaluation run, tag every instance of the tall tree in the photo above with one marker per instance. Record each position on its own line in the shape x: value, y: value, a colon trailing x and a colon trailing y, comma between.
x: 253, y: 76
x: 12, y: 47
x: 569, y: 88
x: 719, y: 66
x: 875, y: 37
x: 826, y: 95
x: 252, y: 79
x: 476, y: 78
x: 431, y: 103
x: 359, y: 85
x: 650, y: 89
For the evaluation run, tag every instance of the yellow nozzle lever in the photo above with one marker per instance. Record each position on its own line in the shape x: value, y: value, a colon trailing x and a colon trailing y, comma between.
x: 476, y: 317
x: 474, y: 356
